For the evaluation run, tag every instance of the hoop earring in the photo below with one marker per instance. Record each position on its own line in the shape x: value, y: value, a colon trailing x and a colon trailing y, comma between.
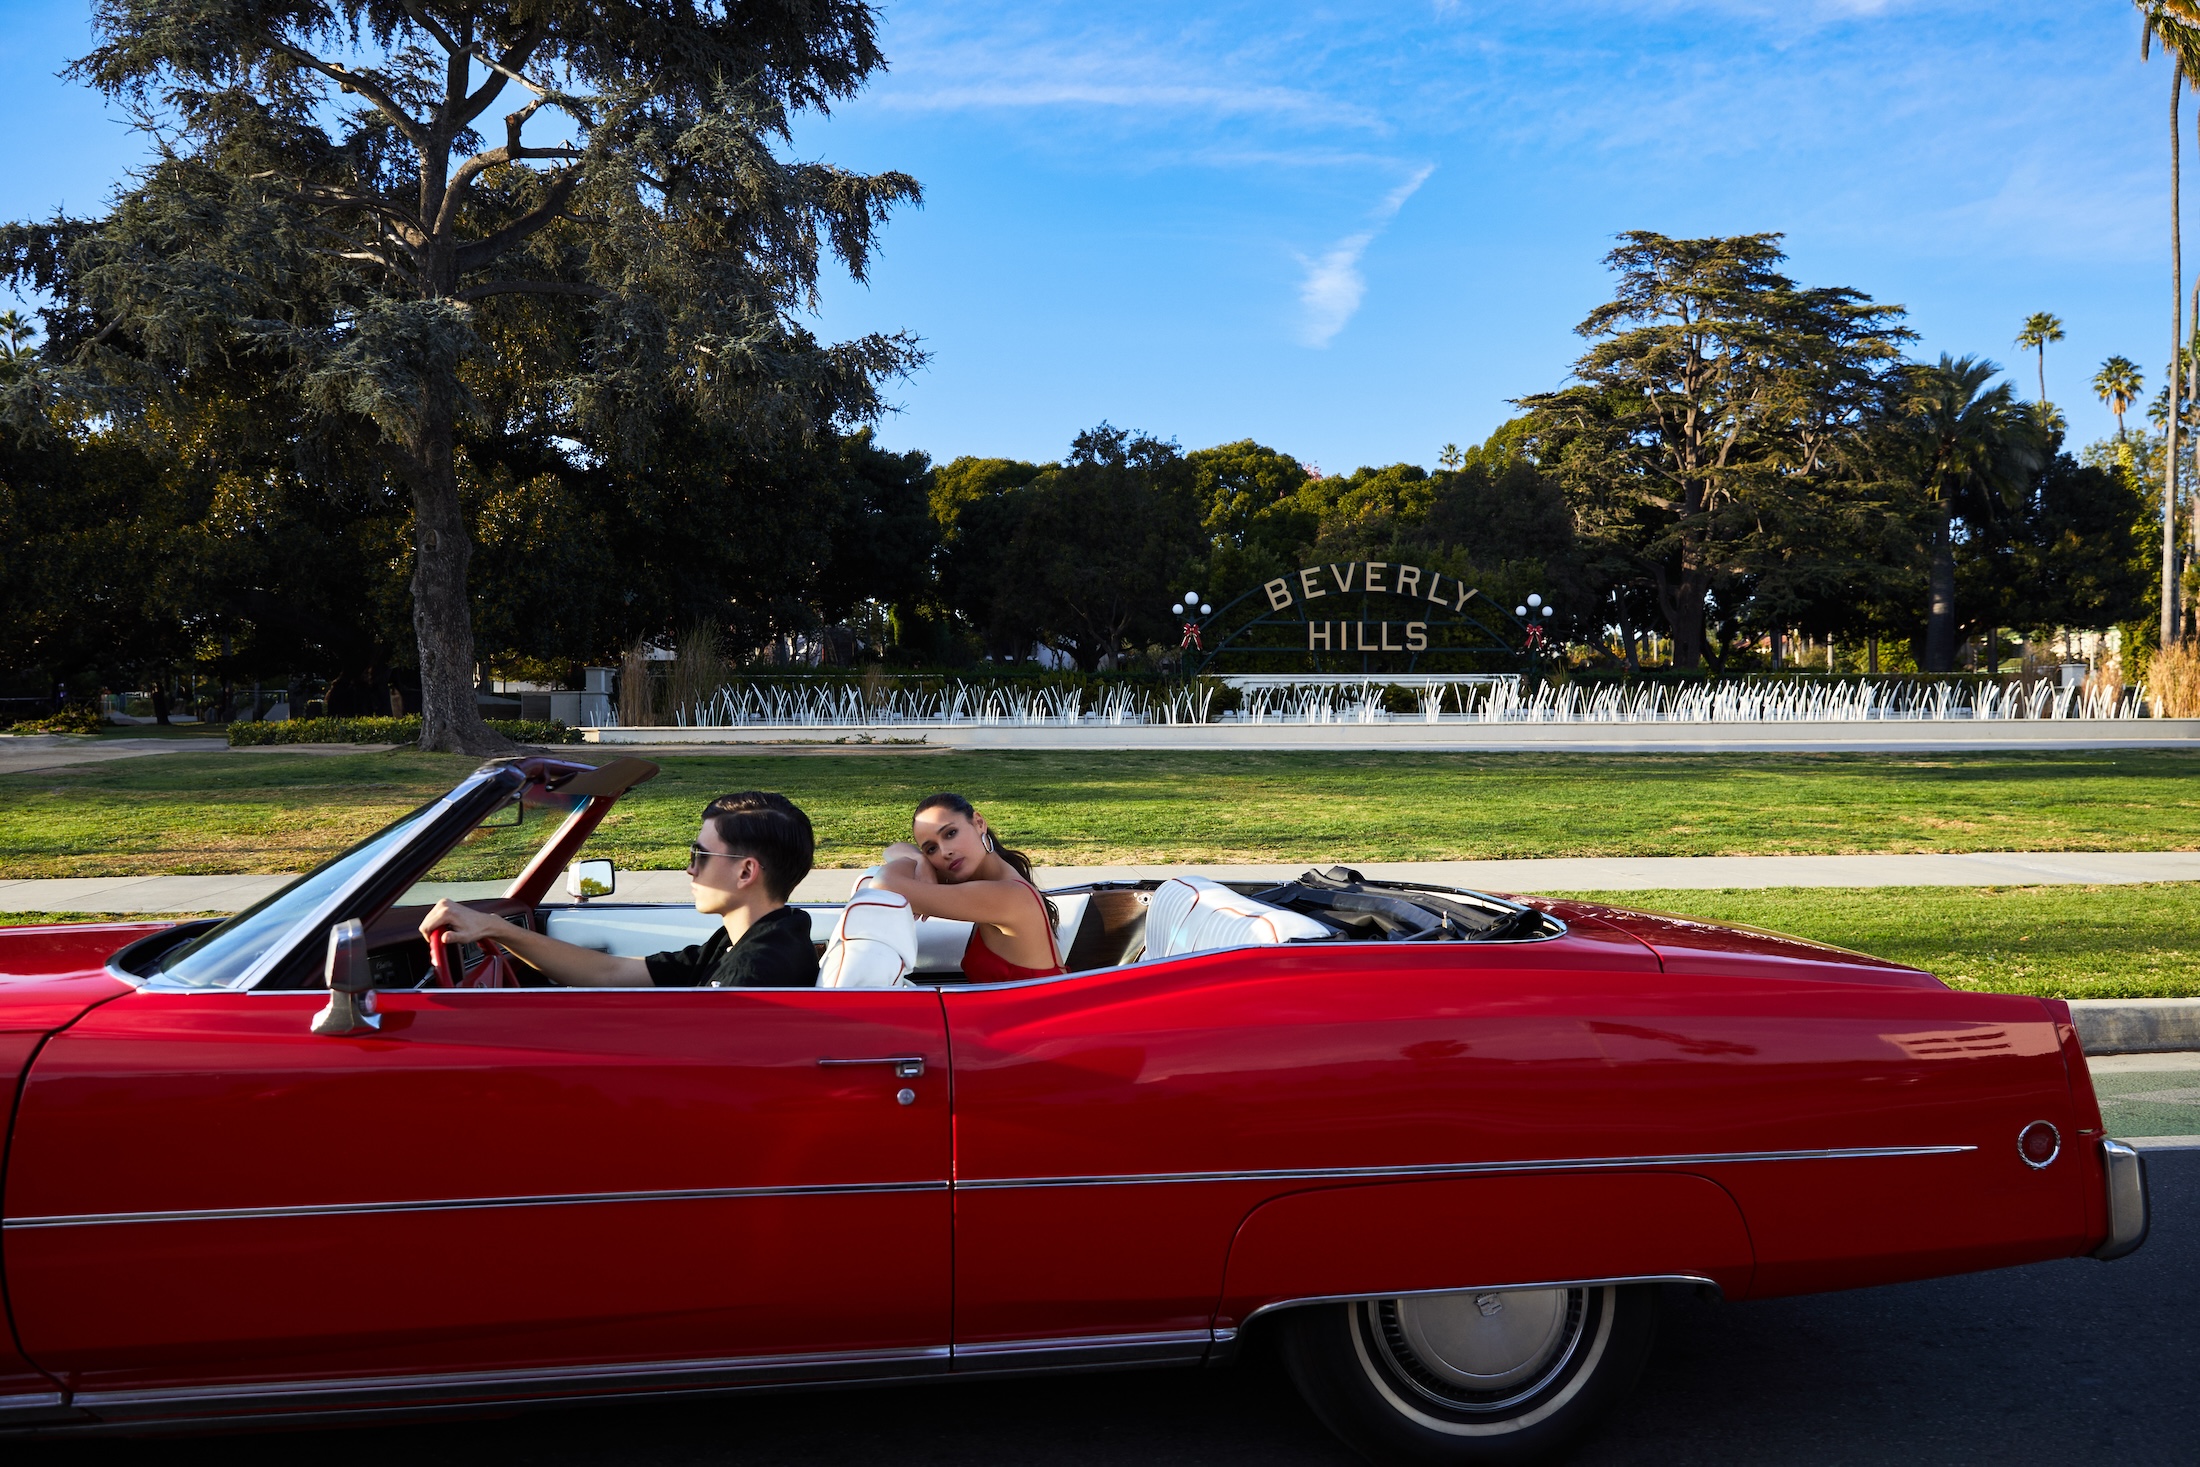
x: 989, y: 842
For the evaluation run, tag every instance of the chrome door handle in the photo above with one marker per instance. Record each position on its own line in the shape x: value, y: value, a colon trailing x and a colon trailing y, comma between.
x: 906, y: 1066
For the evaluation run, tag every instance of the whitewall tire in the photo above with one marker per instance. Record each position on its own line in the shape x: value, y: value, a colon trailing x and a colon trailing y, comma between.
x: 1479, y: 1376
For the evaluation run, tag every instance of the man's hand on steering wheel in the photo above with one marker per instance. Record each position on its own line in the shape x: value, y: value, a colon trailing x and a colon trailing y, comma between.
x: 463, y: 923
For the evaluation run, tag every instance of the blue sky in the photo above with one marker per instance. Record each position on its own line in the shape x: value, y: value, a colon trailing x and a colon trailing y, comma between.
x: 1353, y: 231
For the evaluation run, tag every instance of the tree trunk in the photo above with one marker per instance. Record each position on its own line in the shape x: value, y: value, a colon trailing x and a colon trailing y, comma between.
x: 1940, y: 617
x: 1682, y: 596
x: 2176, y: 347
x: 450, y: 720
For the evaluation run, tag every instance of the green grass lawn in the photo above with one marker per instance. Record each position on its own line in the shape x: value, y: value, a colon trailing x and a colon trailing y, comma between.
x: 264, y: 812
x: 2140, y: 941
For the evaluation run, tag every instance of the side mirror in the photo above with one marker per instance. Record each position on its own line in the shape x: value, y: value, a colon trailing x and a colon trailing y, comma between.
x: 585, y: 879
x: 350, y: 983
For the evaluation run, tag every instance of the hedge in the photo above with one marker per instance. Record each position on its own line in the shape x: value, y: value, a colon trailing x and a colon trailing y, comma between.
x: 77, y: 718
x: 384, y: 731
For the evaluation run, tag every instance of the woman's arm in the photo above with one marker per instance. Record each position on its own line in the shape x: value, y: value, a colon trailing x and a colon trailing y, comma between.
x: 1003, y: 904
x: 563, y: 962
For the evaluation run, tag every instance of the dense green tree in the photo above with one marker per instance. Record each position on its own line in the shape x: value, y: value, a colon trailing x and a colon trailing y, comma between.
x: 2081, y: 560
x: 1098, y: 546
x: 328, y: 195
x: 1715, y: 417
x: 1970, y: 451
x: 976, y: 509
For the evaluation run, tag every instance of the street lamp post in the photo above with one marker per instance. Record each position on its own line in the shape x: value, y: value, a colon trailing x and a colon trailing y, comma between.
x: 1193, y: 608
x: 1531, y: 617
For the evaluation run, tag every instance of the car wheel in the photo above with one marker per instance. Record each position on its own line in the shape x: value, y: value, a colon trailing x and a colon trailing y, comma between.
x: 1482, y: 1376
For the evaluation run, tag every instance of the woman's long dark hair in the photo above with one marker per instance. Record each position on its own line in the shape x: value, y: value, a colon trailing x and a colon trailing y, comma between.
x: 1017, y: 861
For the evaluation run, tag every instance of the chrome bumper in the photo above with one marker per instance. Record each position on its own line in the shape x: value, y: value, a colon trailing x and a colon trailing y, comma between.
x: 2126, y: 1171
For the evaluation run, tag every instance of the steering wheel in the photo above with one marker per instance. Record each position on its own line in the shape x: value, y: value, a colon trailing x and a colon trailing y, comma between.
x: 495, y: 970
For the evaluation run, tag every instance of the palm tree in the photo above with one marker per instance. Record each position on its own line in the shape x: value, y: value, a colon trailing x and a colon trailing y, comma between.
x: 2176, y: 24
x: 2040, y: 328
x: 1973, y: 450
x: 2118, y: 385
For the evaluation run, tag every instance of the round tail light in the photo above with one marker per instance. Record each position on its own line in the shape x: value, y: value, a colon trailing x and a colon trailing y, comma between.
x: 2039, y: 1144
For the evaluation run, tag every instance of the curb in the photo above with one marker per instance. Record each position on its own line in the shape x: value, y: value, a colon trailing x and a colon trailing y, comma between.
x: 2136, y: 1025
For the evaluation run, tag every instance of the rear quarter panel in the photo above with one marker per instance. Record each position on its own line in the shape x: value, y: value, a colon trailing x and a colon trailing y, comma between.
x: 1116, y: 1133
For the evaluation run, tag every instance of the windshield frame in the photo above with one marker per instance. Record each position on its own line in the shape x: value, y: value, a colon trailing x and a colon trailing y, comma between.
x: 427, y: 831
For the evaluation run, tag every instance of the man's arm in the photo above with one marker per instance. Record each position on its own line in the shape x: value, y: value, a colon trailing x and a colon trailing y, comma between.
x: 562, y: 962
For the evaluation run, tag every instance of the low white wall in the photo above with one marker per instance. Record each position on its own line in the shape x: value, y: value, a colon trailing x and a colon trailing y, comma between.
x: 1892, y: 736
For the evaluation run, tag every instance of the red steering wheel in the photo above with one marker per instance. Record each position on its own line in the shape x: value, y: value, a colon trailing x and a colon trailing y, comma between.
x: 495, y: 969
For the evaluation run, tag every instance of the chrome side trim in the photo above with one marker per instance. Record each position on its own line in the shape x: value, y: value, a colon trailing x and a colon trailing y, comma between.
x: 33, y: 1406
x: 504, y: 1384
x: 1456, y: 1169
x: 1641, y: 1278
x: 2128, y: 1215
x: 452, y: 1204
x: 1086, y: 1352
x: 1128, y: 1179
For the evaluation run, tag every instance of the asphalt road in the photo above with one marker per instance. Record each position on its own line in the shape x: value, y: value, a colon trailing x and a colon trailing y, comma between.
x: 2058, y: 1363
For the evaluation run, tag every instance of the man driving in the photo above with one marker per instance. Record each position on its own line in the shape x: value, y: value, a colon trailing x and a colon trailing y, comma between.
x: 752, y: 850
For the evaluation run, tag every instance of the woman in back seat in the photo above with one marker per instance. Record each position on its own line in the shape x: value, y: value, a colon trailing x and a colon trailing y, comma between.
x: 956, y: 869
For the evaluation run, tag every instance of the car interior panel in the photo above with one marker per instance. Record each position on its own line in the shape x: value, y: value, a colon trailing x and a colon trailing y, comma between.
x: 1113, y: 931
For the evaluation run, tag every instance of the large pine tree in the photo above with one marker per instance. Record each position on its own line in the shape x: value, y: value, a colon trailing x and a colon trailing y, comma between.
x: 578, y: 207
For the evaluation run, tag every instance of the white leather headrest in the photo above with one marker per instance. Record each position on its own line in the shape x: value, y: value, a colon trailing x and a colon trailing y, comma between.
x: 1192, y: 914
x: 874, y: 944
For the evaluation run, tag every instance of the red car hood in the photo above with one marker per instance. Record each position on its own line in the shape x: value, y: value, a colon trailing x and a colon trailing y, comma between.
x: 50, y: 975
x: 1690, y: 944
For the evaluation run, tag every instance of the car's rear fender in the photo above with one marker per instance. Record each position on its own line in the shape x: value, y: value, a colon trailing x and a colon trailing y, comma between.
x: 1488, y: 1232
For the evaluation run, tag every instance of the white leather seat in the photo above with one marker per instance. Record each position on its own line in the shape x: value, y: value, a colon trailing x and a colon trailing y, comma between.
x: 874, y: 944
x: 1192, y: 914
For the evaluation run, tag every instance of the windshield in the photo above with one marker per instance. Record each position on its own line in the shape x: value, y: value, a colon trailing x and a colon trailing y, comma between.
x: 488, y: 858
x: 220, y: 957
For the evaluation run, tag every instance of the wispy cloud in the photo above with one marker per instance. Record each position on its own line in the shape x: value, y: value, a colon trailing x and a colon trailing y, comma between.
x: 1128, y: 69
x: 1333, y: 286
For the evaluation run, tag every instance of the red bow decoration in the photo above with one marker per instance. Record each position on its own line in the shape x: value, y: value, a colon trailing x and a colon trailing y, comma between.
x: 1191, y: 637
x: 1535, y: 635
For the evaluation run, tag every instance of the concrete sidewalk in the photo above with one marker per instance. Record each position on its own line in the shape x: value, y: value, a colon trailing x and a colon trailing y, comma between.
x: 1566, y: 873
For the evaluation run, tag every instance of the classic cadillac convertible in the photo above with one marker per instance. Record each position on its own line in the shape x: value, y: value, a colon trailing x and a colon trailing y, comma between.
x: 1444, y: 1147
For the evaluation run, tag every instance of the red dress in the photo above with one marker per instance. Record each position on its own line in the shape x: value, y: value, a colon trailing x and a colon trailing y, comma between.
x: 983, y: 965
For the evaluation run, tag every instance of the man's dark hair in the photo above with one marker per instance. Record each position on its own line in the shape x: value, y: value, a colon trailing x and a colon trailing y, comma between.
x: 769, y: 827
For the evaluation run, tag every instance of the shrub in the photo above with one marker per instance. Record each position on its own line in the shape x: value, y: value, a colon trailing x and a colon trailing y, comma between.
x: 2173, y: 681
x: 77, y: 718
x: 384, y: 731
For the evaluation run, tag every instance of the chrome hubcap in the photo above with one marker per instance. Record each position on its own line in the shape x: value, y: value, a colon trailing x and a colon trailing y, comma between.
x: 1482, y: 1350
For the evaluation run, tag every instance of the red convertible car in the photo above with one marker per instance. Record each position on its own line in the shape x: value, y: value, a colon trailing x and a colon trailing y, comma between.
x: 1444, y: 1147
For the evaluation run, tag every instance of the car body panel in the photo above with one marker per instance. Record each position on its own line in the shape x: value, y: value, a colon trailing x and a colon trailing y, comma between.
x: 525, y: 1194
x: 1867, y: 1131
x: 1389, y: 1238
x: 1730, y: 948
x: 497, y: 1179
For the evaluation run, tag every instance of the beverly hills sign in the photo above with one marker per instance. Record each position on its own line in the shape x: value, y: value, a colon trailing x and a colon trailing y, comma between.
x: 1363, y: 610
x: 1376, y: 577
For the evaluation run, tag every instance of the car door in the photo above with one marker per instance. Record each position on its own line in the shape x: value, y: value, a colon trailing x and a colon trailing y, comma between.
x: 517, y: 1190
x: 1115, y: 1128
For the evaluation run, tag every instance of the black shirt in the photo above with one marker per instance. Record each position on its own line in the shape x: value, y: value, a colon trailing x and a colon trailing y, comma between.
x: 774, y: 953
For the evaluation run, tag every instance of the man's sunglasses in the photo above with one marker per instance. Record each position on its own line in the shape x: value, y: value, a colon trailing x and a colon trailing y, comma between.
x: 697, y: 855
